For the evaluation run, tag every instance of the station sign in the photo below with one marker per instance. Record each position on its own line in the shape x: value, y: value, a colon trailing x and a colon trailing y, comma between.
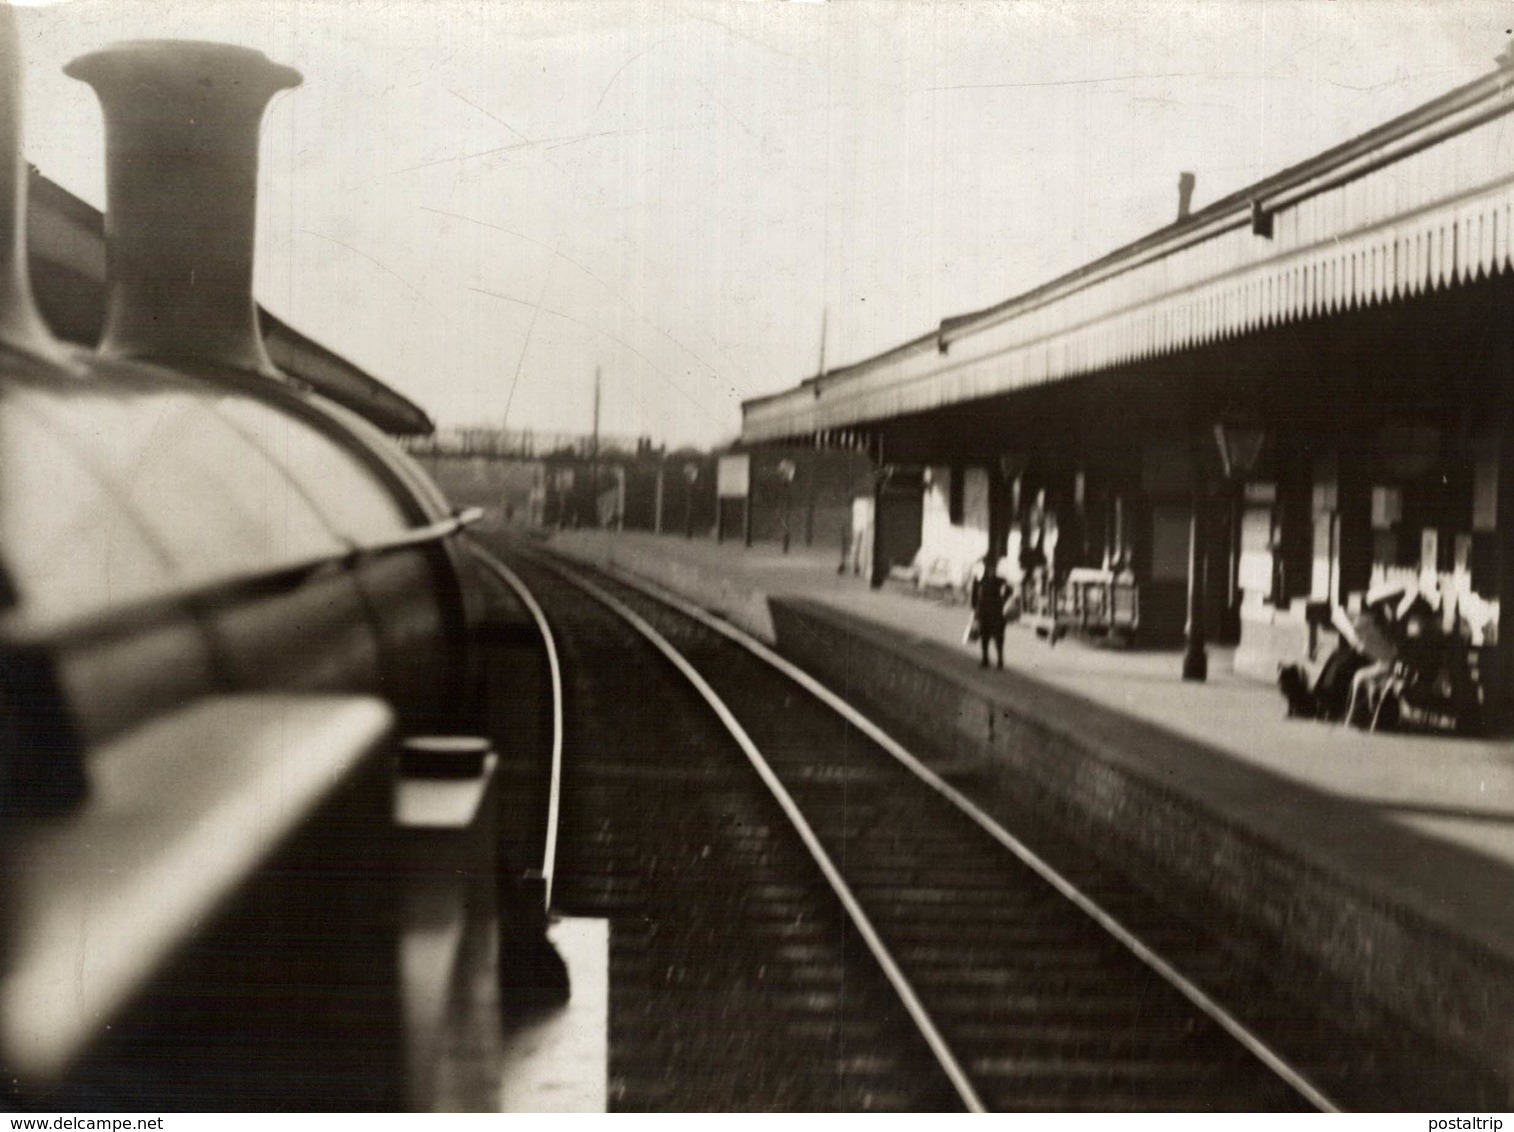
x: 733, y: 477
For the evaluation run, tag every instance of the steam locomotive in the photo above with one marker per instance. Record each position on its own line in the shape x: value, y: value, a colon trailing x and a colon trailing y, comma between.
x: 225, y: 604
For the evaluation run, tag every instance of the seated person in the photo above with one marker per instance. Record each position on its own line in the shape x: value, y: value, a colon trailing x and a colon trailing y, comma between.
x: 1359, y: 667
x: 1434, y: 674
x: 1377, y: 635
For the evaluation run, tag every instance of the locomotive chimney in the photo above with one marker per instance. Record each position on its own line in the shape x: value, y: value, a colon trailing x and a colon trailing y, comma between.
x: 181, y: 129
x: 21, y: 326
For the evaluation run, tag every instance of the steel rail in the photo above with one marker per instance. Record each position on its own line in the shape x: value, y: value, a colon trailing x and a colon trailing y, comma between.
x: 549, y: 643
x: 1294, y: 1078
x: 907, y: 996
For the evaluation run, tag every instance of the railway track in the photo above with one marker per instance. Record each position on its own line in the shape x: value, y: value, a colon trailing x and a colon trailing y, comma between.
x: 929, y: 960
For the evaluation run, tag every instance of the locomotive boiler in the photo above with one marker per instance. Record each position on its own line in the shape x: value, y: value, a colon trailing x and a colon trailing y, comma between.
x: 225, y: 604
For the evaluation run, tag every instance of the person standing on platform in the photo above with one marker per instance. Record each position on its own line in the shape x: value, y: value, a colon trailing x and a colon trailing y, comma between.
x: 990, y: 596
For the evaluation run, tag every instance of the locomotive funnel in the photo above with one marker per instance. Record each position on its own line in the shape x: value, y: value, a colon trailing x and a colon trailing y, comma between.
x: 181, y: 128
x: 21, y: 326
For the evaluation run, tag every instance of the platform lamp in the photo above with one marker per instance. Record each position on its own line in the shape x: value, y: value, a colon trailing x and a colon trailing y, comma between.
x: 1012, y: 468
x: 1408, y: 451
x: 786, y: 472
x: 1012, y: 465
x: 1240, y: 443
x: 1239, y: 440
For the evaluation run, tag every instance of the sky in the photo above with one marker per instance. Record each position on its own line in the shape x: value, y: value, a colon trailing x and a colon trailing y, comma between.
x: 482, y: 201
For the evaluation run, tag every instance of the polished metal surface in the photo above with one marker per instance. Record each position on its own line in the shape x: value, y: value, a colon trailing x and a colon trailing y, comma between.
x: 222, y: 598
x: 21, y: 326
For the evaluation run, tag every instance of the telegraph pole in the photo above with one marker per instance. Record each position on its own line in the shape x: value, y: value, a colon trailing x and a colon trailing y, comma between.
x: 594, y: 454
x: 662, y: 466
x: 824, y: 311
x: 815, y: 461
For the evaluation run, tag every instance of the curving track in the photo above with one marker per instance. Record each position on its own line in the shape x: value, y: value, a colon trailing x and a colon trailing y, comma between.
x: 739, y: 981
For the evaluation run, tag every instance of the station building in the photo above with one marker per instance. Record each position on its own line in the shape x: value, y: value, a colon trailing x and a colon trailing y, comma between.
x: 1225, y: 428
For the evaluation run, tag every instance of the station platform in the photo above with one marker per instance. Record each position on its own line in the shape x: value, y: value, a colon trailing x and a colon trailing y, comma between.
x: 1382, y: 861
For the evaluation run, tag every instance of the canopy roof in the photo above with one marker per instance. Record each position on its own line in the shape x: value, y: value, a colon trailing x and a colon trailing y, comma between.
x: 1422, y: 202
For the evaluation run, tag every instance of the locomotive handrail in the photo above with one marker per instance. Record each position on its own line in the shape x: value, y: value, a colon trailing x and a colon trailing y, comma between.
x: 416, y: 536
x: 18, y: 630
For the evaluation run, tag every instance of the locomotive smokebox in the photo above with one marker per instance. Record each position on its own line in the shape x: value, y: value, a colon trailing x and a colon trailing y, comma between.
x: 182, y: 120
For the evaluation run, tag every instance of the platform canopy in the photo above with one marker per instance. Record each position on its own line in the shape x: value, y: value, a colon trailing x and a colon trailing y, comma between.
x: 1423, y: 202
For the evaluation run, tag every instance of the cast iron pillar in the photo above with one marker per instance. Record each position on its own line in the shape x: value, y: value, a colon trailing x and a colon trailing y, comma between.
x: 1195, y: 652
